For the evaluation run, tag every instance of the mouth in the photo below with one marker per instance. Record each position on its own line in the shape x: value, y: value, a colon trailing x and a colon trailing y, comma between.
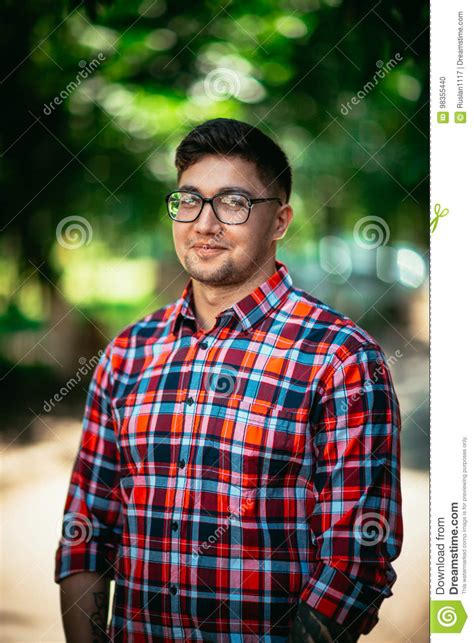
x: 207, y: 250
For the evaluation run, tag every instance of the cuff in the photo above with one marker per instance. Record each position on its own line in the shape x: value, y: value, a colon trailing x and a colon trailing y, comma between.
x: 344, y: 599
x: 70, y: 559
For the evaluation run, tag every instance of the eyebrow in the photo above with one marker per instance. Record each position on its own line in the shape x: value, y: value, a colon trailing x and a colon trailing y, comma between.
x: 226, y: 188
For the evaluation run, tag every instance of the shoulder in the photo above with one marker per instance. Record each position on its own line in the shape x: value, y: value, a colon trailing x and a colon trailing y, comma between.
x: 131, y: 342
x: 325, y: 329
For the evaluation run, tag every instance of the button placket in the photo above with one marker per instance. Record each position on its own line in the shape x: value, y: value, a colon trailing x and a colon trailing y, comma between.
x: 174, y: 531
x: 191, y: 385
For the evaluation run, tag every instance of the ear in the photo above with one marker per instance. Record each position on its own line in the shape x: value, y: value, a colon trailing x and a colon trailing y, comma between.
x: 282, y: 221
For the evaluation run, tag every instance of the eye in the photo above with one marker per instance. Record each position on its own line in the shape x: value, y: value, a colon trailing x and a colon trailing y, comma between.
x: 189, y: 200
x: 184, y: 200
x: 233, y: 201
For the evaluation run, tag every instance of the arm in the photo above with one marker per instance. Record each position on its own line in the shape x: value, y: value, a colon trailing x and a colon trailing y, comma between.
x: 92, y: 520
x: 356, y: 523
x: 84, y: 607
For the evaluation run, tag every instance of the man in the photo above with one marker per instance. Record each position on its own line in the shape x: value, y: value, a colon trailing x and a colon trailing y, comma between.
x: 238, y: 471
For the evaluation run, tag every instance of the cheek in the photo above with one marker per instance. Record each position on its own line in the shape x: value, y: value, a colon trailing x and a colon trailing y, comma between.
x: 257, y: 234
x: 179, y: 236
x: 240, y: 238
x: 248, y: 245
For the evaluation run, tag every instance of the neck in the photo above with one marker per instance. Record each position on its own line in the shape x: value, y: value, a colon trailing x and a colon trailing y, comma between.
x: 210, y: 300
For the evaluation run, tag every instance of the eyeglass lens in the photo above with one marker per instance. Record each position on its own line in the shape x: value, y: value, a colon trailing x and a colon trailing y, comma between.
x: 230, y: 208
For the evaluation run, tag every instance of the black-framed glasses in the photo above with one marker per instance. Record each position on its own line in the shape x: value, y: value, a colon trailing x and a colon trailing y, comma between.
x: 231, y: 208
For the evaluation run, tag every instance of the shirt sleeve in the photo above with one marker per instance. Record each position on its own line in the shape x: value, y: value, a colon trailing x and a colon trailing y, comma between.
x: 356, y: 523
x: 92, y: 518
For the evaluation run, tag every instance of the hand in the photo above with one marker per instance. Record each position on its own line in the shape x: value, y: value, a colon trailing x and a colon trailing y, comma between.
x: 312, y: 627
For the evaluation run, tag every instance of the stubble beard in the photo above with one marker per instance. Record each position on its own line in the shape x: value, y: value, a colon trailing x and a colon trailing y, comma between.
x: 225, y: 273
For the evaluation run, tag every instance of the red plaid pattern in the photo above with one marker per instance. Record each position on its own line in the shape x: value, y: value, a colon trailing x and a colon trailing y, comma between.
x: 223, y: 475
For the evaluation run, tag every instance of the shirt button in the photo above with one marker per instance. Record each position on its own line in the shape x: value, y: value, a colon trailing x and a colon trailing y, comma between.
x: 173, y: 589
x: 203, y: 344
x: 174, y: 525
x: 181, y: 464
x: 189, y: 400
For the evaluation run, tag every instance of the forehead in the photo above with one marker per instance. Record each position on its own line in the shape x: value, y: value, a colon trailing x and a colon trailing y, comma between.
x: 214, y: 173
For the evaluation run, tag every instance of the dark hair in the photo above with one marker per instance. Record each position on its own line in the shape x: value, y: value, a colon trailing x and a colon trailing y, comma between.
x: 228, y: 137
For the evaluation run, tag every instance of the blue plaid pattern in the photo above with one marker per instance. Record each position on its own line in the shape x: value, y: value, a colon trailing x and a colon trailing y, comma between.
x: 223, y: 475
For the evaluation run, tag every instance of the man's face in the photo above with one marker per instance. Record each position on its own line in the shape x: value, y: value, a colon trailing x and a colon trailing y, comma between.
x: 234, y: 252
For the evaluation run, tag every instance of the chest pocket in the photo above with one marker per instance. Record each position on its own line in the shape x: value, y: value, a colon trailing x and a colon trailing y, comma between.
x: 253, y: 445
x: 149, y: 432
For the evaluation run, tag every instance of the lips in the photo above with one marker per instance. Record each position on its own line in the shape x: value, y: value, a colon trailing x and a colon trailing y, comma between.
x: 208, y: 246
x: 206, y: 250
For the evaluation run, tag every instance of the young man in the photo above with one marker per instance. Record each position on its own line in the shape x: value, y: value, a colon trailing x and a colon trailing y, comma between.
x: 238, y: 472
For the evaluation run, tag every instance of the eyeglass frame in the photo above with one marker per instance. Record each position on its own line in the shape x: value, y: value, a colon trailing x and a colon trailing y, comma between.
x: 204, y: 200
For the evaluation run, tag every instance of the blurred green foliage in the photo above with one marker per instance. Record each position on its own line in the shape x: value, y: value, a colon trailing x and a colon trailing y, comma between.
x: 104, y: 150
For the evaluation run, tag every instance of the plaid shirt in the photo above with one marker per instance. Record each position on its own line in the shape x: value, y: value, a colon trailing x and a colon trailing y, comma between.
x: 223, y: 475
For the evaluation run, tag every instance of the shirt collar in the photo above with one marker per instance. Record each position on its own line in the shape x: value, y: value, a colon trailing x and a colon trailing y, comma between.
x: 249, y: 310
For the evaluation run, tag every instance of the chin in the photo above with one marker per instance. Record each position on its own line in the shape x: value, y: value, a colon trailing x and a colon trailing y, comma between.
x: 212, y: 271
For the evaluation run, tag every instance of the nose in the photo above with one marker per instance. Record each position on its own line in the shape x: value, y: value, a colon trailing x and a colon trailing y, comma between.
x: 207, y: 220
